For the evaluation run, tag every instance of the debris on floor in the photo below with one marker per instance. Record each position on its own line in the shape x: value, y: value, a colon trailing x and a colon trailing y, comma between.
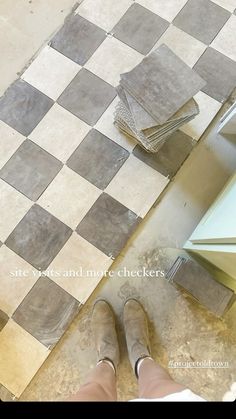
x: 156, y: 98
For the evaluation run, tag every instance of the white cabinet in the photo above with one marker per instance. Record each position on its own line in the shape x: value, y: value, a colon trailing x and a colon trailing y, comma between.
x: 215, y: 236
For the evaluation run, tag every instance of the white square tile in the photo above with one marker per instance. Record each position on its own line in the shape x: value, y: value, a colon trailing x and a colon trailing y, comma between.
x: 208, y: 109
x: 106, y: 126
x: 104, y: 13
x: 69, y: 197
x: 21, y: 355
x: 225, y: 40
x: 13, y: 207
x: 167, y: 9
x: 111, y: 59
x: 137, y: 186
x: 227, y: 4
x: 185, y: 46
x: 59, y: 132
x: 51, y: 72
x: 17, y: 277
x: 10, y: 140
x: 79, y: 267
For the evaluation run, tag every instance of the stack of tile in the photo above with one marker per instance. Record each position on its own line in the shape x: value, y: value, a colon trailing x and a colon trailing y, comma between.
x: 156, y: 98
x: 196, y: 281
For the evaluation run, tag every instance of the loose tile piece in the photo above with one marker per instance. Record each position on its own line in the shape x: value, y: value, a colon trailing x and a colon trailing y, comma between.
x: 111, y: 59
x: 23, y: 106
x: 97, y: 159
x: 95, y: 95
x: 139, y: 28
x: 30, y: 170
x: 38, y: 237
x: 10, y: 140
x: 187, y: 48
x: 108, y: 225
x: 106, y: 126
x: 170, y: 157
x: 13, y: 207
x: 69, y: 197
x: 227, y: 4
x: 59, y: 132
x: 17, y: 277
x: 202, y: 19
x: 50, y: 72
x: 21, y: 355
x: 138, y: 196
x: 78, y: 39
x: 46, y: 311
x: 219, y: 72
x: 79, y: 267
x: 208, y: 109
x: 167, y: 9
x: 225, y: 40
x: 104, y: 13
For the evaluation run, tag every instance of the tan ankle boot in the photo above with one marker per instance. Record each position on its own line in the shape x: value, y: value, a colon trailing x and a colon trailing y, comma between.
x: 103, y: 325
x: 136, y: 331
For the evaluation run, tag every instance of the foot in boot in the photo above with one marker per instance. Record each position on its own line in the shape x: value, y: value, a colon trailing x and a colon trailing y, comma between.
x: 103, y: 325
x: 136, y: 332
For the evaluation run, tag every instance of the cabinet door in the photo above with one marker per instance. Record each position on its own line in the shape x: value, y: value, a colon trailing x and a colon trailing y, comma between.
x: 219, y: 223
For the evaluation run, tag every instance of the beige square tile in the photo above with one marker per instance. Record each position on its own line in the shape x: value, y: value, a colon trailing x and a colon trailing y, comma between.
x: 17, y: 277
x: 79, y: 267
x: 21, y: 355
x: 185, y: 46
x: 10, y: 140
x: 225, y: 40
x: 227, y: 4
x: 69, y: 197
x: 167, y: 9
x: 104, y: 13
x: 106, y: 126
x: 59, y: 132
x: 208, y: 109
x: 51, y: 72
x: 137, y: 186
x: 13, y: 207
x: 111, y: 59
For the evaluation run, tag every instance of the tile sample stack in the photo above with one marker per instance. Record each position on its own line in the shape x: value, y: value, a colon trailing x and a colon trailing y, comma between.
x: 156, y: 98
x: 199, y: 283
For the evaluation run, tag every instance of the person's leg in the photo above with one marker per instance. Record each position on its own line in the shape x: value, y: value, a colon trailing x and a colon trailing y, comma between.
x: 154, y: 381
x: 101, y: 383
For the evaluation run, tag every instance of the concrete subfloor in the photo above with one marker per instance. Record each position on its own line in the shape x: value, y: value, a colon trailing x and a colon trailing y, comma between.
x: 181, y: 330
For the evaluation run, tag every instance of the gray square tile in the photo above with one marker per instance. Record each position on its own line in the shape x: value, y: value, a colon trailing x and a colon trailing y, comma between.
x: 202, y: 19
x: 219, y: 72
x: 78, y: 39
x: 157, y: 88
x: 87, y: 96
x: 38, y: 237
x: 171, y: 156
x: 108, y: 225
x: 22, y: 107
x: 98, y: 159
x: 3, y: 319
x: 30, y: 169
x: 140, y: 28
x: 46, y: 311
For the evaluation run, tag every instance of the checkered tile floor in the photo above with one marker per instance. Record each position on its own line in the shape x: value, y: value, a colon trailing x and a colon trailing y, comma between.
x: 73, y: 188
